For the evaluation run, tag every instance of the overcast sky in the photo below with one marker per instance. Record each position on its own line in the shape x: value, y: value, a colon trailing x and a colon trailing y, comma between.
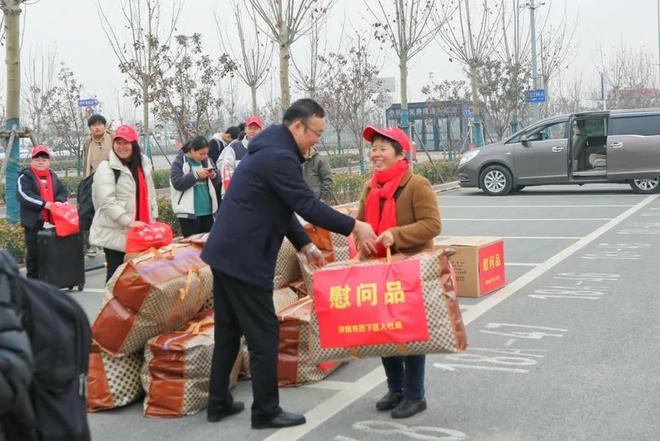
x: 72, y: 28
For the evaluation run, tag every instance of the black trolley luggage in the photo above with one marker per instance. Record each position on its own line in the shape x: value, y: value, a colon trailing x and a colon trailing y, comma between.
x: 61, y: 259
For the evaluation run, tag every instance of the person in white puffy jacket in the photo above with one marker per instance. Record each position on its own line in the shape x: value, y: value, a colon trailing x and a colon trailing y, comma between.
x: 124, y: 197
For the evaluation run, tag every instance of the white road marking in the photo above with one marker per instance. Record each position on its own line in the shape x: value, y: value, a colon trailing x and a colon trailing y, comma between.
x: 329, y: 384
x: 537, y: 206
x: 520, y: 264
x: 341, y: 400
x: 533, y: 220
x: 439, y: 238
x: 93, y: 290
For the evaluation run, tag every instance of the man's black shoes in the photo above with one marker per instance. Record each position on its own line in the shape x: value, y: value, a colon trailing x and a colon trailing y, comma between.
x: 214, y: 416
x: 390, y: 400
x: 408, y: 408
x: 284, y: 419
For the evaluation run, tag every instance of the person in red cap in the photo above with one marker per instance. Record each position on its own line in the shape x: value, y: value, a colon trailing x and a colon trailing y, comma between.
x: 403, y: 211
x: 253, y: 125
x: 37, y: 190
x: 124, y: 196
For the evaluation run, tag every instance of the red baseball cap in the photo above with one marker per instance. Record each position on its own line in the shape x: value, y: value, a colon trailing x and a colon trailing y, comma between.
x: 39, y: 149
x: 126, y: 132
x: 393, y: 133
x: 254, y: 120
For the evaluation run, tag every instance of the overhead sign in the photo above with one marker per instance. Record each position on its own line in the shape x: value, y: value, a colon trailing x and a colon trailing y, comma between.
x: 89, y: 102
x: 536, y: 96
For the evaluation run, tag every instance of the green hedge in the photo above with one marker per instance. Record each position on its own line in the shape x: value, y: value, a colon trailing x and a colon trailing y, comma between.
x: 166, y: 214
x: 12, y: 239
x: 161, y: 180
x: 337, y: 161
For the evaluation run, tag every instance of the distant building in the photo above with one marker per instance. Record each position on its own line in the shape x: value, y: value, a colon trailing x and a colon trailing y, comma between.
x: 438, y: 124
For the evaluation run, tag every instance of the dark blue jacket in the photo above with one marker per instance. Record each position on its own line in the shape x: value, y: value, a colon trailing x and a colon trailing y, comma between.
x: 257, y: 210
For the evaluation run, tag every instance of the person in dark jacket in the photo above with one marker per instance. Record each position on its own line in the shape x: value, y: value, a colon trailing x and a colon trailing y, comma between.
x: 17, y: 420
x: 38, y: 189
x: 256, y: 213
x: 192, y: 187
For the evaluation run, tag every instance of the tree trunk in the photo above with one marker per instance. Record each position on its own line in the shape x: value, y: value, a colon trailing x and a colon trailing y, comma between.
x: 253, y: 89
x: 476, y: 108
x: 12, y: 13
x: 339, y: 142
x: 145, y: 118
x: 403, y: 82
x: 284, y: 75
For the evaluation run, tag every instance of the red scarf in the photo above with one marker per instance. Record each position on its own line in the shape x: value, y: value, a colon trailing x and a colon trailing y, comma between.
x: 46, y: 192
x: 382, y: 187
x: 143, y: 209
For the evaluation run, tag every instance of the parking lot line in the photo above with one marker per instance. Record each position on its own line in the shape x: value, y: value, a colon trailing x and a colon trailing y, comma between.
x: 534, y: 219
x: 537, y: 206
x: 526, y: 237
x: 338, y: 402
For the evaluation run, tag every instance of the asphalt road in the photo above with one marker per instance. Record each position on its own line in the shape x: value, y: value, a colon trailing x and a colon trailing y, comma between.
x: 566, y: 351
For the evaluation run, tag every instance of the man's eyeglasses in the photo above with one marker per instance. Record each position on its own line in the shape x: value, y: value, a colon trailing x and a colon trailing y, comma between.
x: 316, y: 132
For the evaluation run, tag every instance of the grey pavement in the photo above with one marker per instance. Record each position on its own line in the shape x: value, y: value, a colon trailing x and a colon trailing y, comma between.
x: 566, y: 351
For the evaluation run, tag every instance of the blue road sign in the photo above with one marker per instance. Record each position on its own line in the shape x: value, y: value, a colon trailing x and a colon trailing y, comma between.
x: 89, y: 102
x: 467, y: 112
x: 536, y: 96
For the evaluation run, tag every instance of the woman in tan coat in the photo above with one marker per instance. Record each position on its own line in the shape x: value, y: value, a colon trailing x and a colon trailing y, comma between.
x: 403, y: 210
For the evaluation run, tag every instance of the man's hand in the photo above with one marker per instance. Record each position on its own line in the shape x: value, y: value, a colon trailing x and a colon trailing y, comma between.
x: 48, y: 205
x: 365, y: 237
x: 314, y: 255
x: 387, y: 239
x: 137, y: 224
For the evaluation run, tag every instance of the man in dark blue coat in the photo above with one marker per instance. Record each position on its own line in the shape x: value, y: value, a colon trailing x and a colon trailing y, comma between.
x: 256, y: 213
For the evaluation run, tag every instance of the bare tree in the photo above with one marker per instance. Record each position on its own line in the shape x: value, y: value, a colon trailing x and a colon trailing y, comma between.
x: 556, y: 49
x: 285, y: 21
x: 632, y: 77
x: 64, y: 117
x: 309, y: 76
x: 142, y: 50
x: 514, y: 51
x: 256, y: 51
x: 568, y: 97
x: 471, y: 39
x: 40, y: 85
x: 187, y: 84
x: 356, y: 90
x: 408, y: 27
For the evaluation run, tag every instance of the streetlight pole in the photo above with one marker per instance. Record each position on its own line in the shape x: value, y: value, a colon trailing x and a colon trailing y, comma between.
x: 531, y: 4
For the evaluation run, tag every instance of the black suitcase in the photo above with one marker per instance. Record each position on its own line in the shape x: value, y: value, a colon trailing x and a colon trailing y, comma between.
x: 61, y: 259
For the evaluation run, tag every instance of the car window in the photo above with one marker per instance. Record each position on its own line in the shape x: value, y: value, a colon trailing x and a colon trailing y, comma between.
x: 648, y: 125
x: 550, y: 131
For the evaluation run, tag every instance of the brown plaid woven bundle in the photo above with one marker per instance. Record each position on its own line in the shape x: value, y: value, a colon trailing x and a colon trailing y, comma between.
x: 112, y: 381
x: 444, y: 321
x: 158, y: 291
x: 177, y: 368
x: 295, y: 366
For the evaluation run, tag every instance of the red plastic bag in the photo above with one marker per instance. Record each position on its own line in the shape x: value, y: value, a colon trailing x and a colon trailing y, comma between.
x: 154, y: 235
x: 65, y: 218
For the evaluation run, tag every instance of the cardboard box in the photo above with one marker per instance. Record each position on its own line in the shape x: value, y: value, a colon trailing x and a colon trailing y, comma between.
x: 479, y: 264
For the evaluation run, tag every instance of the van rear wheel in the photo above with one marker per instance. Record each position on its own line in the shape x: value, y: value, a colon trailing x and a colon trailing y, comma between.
x: 496, y: 180
x: 645, y: 186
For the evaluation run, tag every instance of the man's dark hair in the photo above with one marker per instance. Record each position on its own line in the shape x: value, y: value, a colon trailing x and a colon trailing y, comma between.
x: 94, y: 119
x: 395, y: 145
x: 233, y: 132
x: 302, y: 109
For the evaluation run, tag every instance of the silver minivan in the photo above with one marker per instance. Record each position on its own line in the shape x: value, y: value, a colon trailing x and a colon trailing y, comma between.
x: 620, y: 146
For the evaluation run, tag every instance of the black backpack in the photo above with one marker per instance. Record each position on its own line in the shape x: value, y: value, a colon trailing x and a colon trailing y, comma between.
x: 85, y: 203
x: 60, y: 337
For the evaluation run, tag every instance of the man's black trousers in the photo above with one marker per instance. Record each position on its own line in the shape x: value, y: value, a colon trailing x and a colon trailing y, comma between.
x: 244, y: 309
